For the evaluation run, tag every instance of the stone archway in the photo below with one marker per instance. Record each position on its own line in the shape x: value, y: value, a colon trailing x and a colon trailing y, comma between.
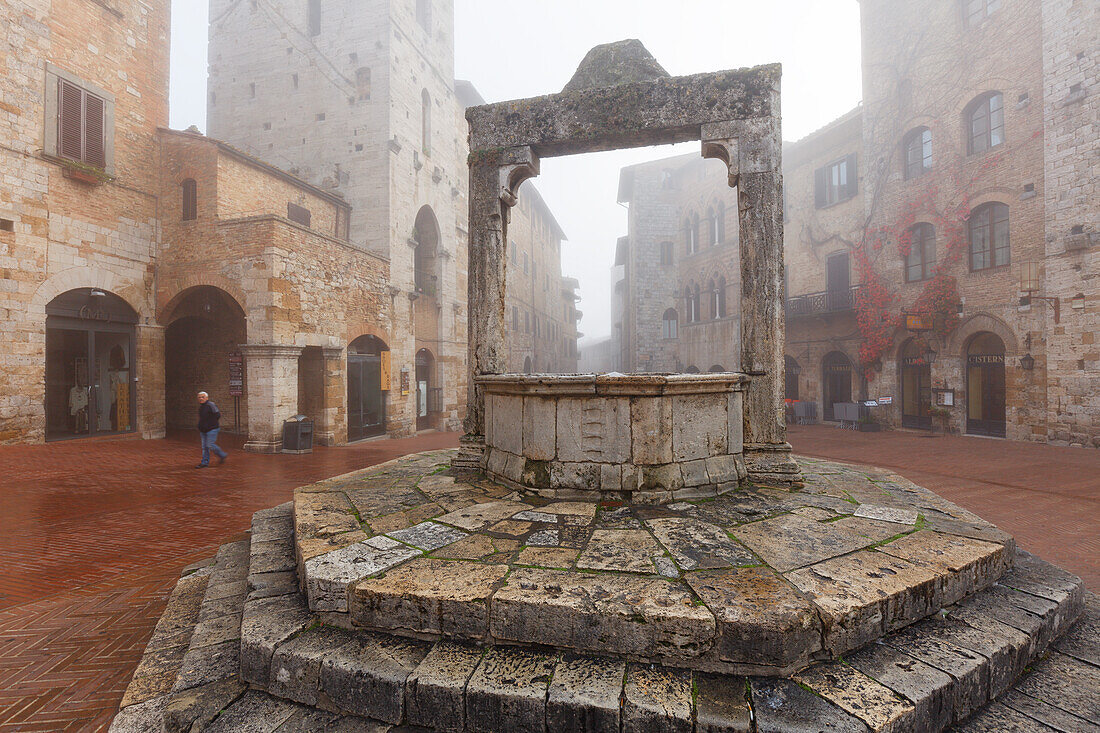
x: 985, y: 385
x: 735, y: 116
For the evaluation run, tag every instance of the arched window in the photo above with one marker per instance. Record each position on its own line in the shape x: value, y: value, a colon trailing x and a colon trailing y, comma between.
x: 691, y: 293
x: 988, y: 228
x: 670, y: 323
x: 720, y: 299
x: 976, y: 11
x: 918, y: 152
x: 712, y: 227
x: 985, y: 118
x: 691, y: 241
x: 695, y: 233
x: 712, y: 296
x: 720, y: 223
x: 190, y: 199
x: 426, y: 122
x: 426, y: 268
x: 921, y: 261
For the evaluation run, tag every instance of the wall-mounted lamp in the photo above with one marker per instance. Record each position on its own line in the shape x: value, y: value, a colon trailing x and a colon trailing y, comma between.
x: 1029, y: 283
x: 1027, y: 362
x: 1077, y: 302
x: 929, y: 355
x: 796, y: 369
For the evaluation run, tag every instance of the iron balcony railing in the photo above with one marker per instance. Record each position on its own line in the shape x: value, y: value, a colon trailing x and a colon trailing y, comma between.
x: 830, y: 301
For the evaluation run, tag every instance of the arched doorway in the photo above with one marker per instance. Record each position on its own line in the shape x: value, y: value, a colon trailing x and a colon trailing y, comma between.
x: 368, y: 385
x: 985, y: 385
x: 425, y: 392
x: 791, y: 370
x: 916, y: 387
x: 90, y: 353
x: 836, y: 382
x: 205, y: 327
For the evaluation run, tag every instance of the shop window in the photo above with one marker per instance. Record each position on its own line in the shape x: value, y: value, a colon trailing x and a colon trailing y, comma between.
x: 190, y: 199
x: 835, y: 182
x: 920, y: 264
x: 989, y: 245
x: 918, y: 152
x: 985, y: 118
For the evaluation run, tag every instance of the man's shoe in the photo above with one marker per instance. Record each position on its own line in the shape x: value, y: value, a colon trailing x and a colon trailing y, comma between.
x: 221, y: 460
x: 201, y: 465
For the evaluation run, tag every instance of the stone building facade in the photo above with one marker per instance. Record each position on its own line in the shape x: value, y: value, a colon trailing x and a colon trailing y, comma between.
x: 930, y: 231
x: 677, y: 301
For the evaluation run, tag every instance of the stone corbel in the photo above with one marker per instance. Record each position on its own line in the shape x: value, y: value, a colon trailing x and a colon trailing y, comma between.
x: 745, y: 146
x: 516, y: 166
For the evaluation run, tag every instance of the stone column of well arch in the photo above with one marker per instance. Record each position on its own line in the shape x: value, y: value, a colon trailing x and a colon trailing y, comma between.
x: 752, y: 152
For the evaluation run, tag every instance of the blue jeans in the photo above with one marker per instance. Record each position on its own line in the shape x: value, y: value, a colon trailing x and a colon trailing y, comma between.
x: 210, y: 443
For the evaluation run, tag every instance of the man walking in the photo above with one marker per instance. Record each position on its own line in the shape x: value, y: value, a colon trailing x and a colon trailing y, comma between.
x: 209, y: 417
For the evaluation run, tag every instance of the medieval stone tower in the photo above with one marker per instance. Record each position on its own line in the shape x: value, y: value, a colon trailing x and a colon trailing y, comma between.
x: 357, y: 97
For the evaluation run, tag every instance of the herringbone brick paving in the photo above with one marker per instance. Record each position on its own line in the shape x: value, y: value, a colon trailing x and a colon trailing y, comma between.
x: 94, y: 534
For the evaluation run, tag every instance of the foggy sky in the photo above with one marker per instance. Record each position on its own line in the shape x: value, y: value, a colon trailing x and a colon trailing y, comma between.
x: 520, y: 48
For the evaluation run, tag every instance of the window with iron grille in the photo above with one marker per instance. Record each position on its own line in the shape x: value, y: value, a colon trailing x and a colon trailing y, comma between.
x: 81, y: 125
x: 989, y: 246
x: 920, y: 263
x: 918, y: 152
x: 190, y: 199
x: 985, y: 119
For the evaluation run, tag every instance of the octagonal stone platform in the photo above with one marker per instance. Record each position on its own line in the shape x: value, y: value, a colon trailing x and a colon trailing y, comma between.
x: 754, y: 581
x: 641, y: 438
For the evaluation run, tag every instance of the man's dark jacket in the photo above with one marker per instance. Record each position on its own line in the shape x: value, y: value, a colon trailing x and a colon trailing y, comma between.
x: 208, y: 416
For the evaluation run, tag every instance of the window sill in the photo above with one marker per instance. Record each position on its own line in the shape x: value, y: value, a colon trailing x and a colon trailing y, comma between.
x: 991, y: 269
x: 834, y: 204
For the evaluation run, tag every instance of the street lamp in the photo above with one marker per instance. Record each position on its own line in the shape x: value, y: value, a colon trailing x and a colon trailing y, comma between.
x: 929, y: 355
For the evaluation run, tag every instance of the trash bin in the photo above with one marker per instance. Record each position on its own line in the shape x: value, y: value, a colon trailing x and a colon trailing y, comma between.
x: 298, y: 435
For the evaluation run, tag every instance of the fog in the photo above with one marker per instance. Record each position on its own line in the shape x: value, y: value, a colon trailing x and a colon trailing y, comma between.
x: 522, y: 48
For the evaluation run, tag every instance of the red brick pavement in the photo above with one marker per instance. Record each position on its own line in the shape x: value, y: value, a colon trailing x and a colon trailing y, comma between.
x: 93, y: 535
x: 1047, y: 497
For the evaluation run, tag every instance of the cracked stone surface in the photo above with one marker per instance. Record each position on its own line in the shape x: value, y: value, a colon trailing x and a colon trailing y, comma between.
x: 755, y: 579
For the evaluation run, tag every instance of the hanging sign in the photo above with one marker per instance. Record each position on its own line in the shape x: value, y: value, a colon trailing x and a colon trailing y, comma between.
x: 918, y: 322
x: 236, y: 375
x: 384, y: 370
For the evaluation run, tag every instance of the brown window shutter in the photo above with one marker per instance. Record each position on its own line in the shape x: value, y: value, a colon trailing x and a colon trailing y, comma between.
x: 95, y: 152
x: 70, y: 122
x: 190, y: 200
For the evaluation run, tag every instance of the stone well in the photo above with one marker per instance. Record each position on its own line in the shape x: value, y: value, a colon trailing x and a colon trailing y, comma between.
x: 643, y: 438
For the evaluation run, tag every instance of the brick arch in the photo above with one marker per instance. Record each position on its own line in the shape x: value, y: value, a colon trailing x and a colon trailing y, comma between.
x: 362, y: 330
x: 190, y: 282
x: 992, y: 194
x: 134, y: 293
x: 976, y: 324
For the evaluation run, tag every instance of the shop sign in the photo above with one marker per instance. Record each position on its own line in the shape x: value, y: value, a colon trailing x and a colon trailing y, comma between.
x: 918, y: 322
x: 384, y: 370
x: 236, y: 375
x: 886, y: 400
x: 986, y: 359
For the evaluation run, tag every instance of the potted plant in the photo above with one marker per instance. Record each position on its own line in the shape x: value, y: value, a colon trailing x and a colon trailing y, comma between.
x: 939, y: 415
x: 867, y: 424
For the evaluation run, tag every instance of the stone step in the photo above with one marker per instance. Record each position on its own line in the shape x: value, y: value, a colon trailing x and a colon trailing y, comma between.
x: 927, y: 676
x: 755, y: 582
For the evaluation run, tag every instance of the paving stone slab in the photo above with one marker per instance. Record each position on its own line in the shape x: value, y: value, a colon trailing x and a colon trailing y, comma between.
x: 721, y: 704
x: 896, y: 515
x: 1083, y: 640
x: 435, y: 692
x: 623, y: 550
x: 695, y: 544
x: 1068, y: 683
x: 969, y: 669
x: 154, y: 676
x: 143, y: 717
x: 328, y: 576
x: 209, y: 664
x: 547, y: 557
x: 997, y: 718
x: 874, y: 530
x: 968, y: 565
x: 1039, y: 578
x: 781, y: 706
x: 1049, y: 714
x: 584, y: 695
x: 761, y: 618
x: 508, y: 691
x: 929, y: 689
x: 600, y: 613
x: 268, y: 585
x: 876, y: 705
x: 254, y: 712
x: 368, y: 675
x: 790, y: 541
x: 472, y: 547
x: 428, y: 536
x: 865, y: 594
x: 480, y: 516
x: 267, y: 622
x: 429, y: 596
x: 656, y: 698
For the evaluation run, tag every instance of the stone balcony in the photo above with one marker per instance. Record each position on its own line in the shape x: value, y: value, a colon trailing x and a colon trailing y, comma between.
x: 643, y: 438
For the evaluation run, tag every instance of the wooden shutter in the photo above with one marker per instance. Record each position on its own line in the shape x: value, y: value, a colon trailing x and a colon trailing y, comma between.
x: 190, y: 200
x: 70, y: 121
x: 819, y: 188
x: 853, y: 176
x: 95, y: 152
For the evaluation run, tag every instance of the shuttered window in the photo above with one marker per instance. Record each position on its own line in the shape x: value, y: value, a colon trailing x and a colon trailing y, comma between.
x: 190, y: 199
x: 836, y: 182
x: 81, y: 125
